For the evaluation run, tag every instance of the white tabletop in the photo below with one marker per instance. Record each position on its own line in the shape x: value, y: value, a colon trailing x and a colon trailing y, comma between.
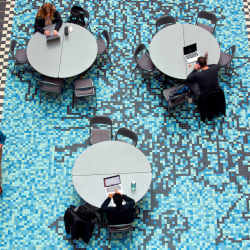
x: 106, y: 159
x: 166, y: 48
x: 45, y: 57
x: 79, y: 51
x: 67, y: 57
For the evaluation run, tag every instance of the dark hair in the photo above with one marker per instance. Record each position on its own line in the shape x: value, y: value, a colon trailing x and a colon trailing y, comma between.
x: 202, y: 61
x: 118, y: 199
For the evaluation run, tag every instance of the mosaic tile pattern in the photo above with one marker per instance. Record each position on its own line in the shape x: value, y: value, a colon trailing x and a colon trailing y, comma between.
x: 199, y: 197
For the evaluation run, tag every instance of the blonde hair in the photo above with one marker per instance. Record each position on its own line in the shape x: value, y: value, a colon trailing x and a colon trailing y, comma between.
x: 46, y: 9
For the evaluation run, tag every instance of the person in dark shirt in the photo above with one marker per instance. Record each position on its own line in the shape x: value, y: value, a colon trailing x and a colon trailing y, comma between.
x: 203, y: 78
x: 46, y: 16
x: 120, y: 214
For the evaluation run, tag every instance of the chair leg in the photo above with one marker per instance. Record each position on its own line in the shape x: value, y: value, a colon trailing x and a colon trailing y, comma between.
x: 73, y: 100
x: 40, y: 97
x: 109, y: 57
x: 109, y: 237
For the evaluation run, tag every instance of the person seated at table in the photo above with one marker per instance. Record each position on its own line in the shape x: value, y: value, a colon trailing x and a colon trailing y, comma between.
x: 47, y: 16
x: 203, y: 78
x: 120, y: 214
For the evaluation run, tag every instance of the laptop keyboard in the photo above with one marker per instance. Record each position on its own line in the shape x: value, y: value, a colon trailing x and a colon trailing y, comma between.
x: 113, y: 188
x: 191, y: 55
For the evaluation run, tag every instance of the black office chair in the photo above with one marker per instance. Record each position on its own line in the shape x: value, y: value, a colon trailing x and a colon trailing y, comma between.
x: 79, y: 16
x: 127, y: 133
x: 83, y: 88
x: 208, y: 16
x: 19, y: 55
x: 97, y: 133
x: 226, y: 59
x: 50, y: 85
x: 103, y: 41
x: 164, y: 21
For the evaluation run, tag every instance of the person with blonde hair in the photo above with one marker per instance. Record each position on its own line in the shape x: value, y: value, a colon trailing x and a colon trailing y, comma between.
x: 47, y: 16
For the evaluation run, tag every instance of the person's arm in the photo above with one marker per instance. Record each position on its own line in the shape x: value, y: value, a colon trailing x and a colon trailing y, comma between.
x: 192, y: 76
x: 129, y: 201
x: 38, y: 25
x: 106, y: 203
x: 57, y: 20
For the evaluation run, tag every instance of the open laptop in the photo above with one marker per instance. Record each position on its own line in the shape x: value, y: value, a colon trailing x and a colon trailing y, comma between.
x: 112, y: 183
x: 52, y: 37
x: 190, y: 53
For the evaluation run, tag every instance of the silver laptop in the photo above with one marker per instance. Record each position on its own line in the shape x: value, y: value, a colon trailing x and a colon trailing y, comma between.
x: 112, y: 183
x: 53, y: 37
x: 190, y: 53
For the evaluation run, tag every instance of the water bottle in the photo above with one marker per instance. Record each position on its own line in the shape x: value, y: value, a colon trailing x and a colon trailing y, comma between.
x: 66, y: 30
x: 133, y: 186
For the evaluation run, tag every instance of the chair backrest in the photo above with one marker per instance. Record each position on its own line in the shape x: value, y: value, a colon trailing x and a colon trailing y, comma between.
x: 78, y: 15
x: 138, y: 50
x: 12, y: 47
x: 100, y: 120
x: 106, y: 36
x: 77, y: 11
x: 207, y: 15
x: 165, y: 20
x: 50, y: 87
x: 127, y: 133
x: 232, y: 50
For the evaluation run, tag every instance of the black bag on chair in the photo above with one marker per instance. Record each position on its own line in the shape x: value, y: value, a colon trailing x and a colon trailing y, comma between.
x: 79, y: 223
x: 212, y: 104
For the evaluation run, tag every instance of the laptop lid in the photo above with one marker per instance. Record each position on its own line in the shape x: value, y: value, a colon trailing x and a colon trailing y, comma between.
x: 53, y: 37
x: 112, y: 181
x: 190, y: 49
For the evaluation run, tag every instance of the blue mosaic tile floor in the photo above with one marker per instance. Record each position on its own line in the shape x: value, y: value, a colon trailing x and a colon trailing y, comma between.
x: 199, y: 198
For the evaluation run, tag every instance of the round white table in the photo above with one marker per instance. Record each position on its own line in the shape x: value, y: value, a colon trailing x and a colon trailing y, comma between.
x: 107, y: 159
x: 166, y: 48
x: 67, y: 57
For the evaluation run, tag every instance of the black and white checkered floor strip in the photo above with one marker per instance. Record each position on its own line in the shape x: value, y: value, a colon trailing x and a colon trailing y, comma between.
x: 7, y: 20
x: 246, y: 6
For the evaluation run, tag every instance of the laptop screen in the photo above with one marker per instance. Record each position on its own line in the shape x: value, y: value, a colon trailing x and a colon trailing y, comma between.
x: 190, y: 49
x: 112, y: 180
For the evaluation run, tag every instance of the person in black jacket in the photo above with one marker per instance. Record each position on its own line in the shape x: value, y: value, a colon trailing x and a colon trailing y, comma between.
x: 46, y: 16
x: 204, y: 78
x: 120, y: 214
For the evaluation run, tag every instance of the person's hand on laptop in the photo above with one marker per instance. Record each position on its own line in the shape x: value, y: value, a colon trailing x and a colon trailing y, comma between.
x: 46, y: 33
x: 197, y: 66
x: 55, y: 32
x: 110, y: 195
